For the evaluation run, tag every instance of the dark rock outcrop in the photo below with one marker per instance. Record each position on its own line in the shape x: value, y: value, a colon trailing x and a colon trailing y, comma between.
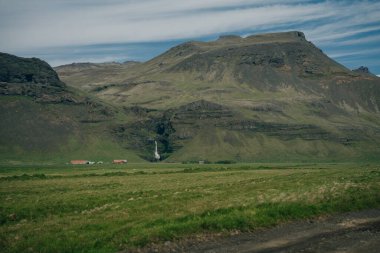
x: 362, y: 70
x: 34, y: 78
x: 15, y: 69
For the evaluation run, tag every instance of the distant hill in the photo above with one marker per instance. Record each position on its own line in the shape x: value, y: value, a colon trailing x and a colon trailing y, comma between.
x: 77, y: 66
x: 93, y: 75
x: 43, y: 120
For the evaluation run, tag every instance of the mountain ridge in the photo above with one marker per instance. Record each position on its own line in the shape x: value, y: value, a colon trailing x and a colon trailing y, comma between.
x: 282, y: 98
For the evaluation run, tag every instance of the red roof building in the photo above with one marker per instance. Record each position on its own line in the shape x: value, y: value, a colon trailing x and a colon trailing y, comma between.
x: 78, y: 161
x: 119, y: 161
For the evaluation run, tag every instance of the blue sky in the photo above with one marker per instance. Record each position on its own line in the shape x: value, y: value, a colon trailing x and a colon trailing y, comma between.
x: 65, y: 31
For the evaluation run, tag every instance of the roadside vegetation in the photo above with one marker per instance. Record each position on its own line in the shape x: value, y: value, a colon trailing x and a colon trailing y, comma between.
x: 112, y: 208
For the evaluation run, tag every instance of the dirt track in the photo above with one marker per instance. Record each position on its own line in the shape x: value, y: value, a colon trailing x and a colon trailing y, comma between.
x: 351, y: 232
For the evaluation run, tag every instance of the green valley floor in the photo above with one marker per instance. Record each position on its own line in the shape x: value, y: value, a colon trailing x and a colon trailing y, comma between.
x: 110, y: 208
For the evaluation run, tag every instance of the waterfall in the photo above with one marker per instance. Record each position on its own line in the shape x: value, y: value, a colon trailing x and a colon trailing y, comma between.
x: 156, y: 155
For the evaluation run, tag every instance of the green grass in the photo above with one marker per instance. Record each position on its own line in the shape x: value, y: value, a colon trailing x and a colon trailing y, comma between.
x: 109, y: 208
x: 31, y: 133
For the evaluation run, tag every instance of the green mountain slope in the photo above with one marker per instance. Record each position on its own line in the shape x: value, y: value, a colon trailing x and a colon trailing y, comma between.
x: 271, y: 97
x: 43, y: 120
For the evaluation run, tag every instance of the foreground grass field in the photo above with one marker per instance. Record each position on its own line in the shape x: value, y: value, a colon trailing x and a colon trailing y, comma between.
x: 111, y: 208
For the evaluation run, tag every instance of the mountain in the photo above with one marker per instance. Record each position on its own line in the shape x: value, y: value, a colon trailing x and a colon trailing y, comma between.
x: 260, y: 63
x: 43, y: 120
x: 269, y: 97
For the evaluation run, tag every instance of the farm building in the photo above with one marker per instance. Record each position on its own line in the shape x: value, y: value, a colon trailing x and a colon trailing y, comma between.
x: 79, y: 162
x: 119, y: 161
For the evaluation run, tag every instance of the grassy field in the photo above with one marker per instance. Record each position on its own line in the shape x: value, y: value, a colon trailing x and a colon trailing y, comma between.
x: 111, y: 208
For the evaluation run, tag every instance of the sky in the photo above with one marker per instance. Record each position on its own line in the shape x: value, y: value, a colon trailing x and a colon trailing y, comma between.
x: 66, y: 31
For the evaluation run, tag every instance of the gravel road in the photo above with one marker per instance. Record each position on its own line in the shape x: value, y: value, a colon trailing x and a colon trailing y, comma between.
x: 350, y: 232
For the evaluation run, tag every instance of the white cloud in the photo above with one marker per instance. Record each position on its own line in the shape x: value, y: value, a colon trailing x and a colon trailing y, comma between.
x: 36, y: 24
x: 65, y: 31
x: 336, y: 31
x: 341, y: 54
x: 367, y: 39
